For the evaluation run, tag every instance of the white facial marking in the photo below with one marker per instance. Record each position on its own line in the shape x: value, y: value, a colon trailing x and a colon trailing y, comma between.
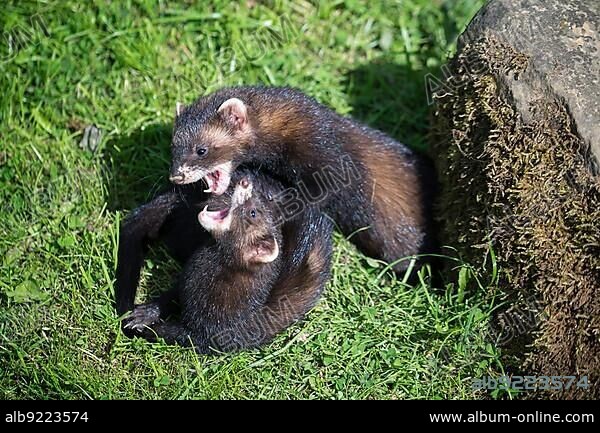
x: 219, y: 136
x: 190, y: 174
x: 241, y: 194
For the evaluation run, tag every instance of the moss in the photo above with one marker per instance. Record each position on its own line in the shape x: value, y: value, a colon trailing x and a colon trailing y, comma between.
x: 527, y: 190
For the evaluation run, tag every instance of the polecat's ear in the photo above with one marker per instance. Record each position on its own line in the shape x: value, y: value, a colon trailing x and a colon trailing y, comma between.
x: 264, y: 251
x: 179, y: 107
x: 234, y: 112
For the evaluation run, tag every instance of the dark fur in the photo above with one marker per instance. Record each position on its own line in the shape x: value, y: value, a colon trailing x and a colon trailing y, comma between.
x: 172, y: 218
x: 294, y: 137
x: 228, y: 307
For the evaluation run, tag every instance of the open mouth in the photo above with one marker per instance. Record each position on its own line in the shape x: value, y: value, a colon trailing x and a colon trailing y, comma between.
x: 218, y: 179
x: 220, y: 220
x: 215, y: 220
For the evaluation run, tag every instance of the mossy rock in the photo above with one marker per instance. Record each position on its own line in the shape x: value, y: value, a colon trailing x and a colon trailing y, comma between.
x: 517, y: 141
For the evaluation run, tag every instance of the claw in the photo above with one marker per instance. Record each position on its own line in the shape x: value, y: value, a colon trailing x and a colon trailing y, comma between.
x: 143, y: 316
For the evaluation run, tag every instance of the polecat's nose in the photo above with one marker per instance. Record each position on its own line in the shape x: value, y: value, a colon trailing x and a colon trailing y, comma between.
x: 244, y: 183
x: 177, y: 178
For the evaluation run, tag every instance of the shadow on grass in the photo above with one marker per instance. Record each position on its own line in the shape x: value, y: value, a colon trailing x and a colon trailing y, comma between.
x: 391, y: 98
x: 137, y: 166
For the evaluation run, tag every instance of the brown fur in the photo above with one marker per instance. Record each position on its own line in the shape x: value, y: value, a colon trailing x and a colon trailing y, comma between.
x: 297, y: 292
x: 394, y: 192
x: 217, y: 135
x: 283, y: 121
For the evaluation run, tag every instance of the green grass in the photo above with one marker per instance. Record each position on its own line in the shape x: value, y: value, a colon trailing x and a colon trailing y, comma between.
x: 122, y: 66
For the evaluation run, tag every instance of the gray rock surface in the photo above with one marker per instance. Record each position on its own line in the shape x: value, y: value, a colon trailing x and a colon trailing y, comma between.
x: 561, y: 38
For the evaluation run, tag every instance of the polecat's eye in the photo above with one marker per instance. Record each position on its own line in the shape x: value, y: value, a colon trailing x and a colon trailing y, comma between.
x: 253, y: 213
x: 201, y: 151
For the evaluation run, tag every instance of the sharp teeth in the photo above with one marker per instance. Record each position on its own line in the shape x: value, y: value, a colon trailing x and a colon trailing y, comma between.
x: 209, y: 182
x: 202, y: 216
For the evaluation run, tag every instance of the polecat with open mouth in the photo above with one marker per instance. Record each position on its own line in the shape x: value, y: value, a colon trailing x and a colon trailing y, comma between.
x: 375, y: 188
x: 256, y: 279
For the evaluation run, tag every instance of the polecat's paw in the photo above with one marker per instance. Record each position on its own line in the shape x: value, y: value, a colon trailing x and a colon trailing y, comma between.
x: 143, y: 316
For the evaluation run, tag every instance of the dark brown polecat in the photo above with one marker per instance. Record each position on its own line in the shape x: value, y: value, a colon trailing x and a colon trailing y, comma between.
x: 375, y: 188
x: 254, y: 280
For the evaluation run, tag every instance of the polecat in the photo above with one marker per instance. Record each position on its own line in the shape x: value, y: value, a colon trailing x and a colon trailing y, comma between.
x: 255, y: 280
x: 375, y: 188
